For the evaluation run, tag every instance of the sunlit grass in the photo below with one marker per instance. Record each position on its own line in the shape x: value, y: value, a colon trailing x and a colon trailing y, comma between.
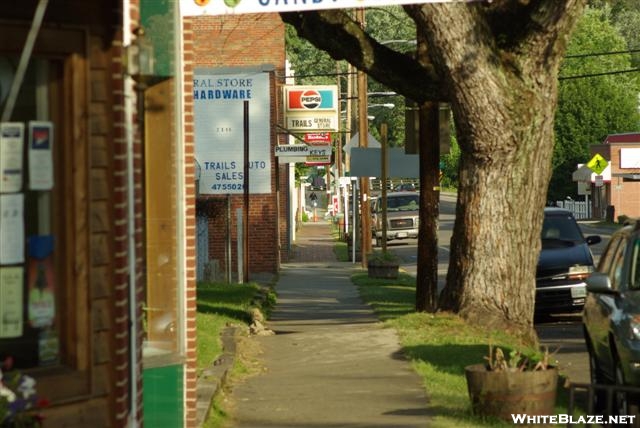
x: 440, y: 346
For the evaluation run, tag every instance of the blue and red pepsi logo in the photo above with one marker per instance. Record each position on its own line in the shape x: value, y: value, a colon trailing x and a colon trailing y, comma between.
x: 310, y: 99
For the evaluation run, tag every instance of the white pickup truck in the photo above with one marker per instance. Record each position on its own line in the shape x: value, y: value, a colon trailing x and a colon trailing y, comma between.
x: 402, y: 216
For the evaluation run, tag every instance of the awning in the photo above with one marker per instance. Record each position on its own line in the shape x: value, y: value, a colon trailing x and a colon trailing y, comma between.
x: 584, y: 173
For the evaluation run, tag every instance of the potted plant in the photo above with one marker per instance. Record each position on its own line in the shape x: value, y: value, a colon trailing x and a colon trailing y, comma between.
x: 517, y: 384
x: 383, y: 264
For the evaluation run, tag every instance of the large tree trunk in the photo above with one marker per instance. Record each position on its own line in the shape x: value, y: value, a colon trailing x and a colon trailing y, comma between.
x: 504, y: 104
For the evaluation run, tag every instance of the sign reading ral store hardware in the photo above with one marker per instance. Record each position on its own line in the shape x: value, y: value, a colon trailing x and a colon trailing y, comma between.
x: 218, y: 100
x: 227, y: 7
x: 311, y: 108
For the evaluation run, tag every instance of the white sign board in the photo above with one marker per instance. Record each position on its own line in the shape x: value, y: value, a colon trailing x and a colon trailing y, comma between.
x: 311, y: 108
x: 219, y: 131
x: 228, y: 7
x: 302, y: 150
x: 630, y: 158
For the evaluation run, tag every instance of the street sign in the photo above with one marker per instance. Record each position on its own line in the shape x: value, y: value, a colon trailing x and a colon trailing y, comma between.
x: 317, y: 138
x: 597, y: 164
x: 599, y: 181
x: 292, y: 150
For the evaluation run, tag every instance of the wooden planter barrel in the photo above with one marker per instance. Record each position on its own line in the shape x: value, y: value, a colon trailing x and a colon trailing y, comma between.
x: 387, y: 271
x: 502, y: 393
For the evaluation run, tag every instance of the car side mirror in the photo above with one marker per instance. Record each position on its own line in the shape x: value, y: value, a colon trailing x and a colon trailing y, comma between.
x: 593, y: 239
x: 599, y: 282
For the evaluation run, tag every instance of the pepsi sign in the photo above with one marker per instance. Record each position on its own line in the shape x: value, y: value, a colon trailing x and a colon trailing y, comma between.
x: 305, y: 98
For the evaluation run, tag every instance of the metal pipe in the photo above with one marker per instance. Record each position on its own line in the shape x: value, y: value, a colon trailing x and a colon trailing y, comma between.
x: 24, y: 60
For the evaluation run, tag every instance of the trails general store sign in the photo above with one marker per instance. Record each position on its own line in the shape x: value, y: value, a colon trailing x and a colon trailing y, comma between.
x: 311, y: 108
x: 226, y: 7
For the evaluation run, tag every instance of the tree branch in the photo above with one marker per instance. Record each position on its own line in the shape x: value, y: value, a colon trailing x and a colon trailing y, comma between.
x: 343, y: 38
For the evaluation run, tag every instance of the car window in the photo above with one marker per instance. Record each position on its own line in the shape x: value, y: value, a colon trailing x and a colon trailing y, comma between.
x: 607, y: 256
x: 403, y: 203
x: 635, y: 266
x: 561, y: 227
x: 617, y: 264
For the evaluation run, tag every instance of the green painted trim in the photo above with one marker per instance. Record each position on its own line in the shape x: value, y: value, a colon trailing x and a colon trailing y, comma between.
x: 162, y: 396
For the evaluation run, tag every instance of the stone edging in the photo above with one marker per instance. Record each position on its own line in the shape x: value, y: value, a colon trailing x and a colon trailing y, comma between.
x: 212, y: 379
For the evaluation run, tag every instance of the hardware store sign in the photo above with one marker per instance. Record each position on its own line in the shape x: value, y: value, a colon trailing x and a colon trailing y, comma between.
x: 219, y: 131
x: 227, y: 7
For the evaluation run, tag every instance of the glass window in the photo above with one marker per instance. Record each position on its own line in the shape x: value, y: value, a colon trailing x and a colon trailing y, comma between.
x: 617, y: 264
x: 607, y: 256
x: 31, y: 304
x: 635, y: 266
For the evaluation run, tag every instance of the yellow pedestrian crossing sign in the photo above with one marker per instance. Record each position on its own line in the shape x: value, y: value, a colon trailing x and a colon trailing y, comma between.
x: 597, y: 164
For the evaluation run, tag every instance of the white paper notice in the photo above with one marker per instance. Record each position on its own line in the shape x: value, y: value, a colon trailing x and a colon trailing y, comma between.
x: 11, y: 228
x: 40, y: 155
x: 11, y: 324
x: 11, y: 147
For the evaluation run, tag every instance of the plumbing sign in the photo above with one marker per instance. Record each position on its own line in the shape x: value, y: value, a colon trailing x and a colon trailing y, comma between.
x: 311, y: 108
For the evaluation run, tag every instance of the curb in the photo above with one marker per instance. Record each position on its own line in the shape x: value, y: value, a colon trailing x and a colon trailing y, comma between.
x: 213, y: 379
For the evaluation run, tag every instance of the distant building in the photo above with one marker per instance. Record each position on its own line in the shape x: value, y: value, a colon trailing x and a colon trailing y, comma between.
x: 622, y: 192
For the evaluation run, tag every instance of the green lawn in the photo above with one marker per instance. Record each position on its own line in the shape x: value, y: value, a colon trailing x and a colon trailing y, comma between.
x: 439, y: 346
x: 219, y: 304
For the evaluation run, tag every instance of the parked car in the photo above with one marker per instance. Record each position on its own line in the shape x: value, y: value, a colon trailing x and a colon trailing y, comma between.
x: 564, y: 264
x: 405, y: 187
x: 402, y: 216
x: 611, y: 319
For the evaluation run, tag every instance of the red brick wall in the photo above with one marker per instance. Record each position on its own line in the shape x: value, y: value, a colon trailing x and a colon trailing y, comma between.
x: 246, y: 41
x: 190, y: 201
x: 625, y: 195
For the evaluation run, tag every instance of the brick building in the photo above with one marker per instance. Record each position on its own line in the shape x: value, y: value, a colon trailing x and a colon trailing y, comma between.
x: 97, y: 263
x: 622, y: 192
x: 235, y: 51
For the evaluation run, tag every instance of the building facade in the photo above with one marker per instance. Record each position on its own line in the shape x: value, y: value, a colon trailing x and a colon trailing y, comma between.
x: 236, y: 59
x: 622, y: 193
x: 97, y: 255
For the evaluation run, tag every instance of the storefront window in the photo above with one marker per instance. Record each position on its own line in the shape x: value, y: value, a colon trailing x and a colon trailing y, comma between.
x: 30, y: 239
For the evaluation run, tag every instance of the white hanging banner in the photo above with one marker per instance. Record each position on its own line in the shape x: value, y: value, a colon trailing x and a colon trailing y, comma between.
x: 230, y: 7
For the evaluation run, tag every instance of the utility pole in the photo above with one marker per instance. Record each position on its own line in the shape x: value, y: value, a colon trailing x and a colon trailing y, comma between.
x: 429, y: 151
x: 363, y: 130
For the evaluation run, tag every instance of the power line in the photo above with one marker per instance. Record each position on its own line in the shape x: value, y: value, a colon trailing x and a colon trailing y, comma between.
x: 586, y: 55
x: 606, y: 73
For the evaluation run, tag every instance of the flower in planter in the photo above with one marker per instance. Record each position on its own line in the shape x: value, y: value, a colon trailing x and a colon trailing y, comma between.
x: 19, y: 403
x: 383, y: 258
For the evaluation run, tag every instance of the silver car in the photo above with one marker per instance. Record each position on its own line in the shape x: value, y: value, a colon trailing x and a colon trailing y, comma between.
x: 611, y: 318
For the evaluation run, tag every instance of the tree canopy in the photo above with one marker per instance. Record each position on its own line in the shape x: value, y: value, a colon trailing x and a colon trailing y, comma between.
x: 590, y: 108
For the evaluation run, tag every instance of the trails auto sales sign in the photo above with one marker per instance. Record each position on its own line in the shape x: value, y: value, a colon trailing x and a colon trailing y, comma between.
x: 311, y: 108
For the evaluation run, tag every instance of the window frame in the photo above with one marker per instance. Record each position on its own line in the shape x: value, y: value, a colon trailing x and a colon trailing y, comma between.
x: 68, y: 110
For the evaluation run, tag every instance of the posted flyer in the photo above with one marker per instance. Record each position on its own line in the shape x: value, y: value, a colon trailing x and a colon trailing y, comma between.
x: 40, y: 155
x: 11, y: 324
x: 11, y: 147
x: 11, y: 228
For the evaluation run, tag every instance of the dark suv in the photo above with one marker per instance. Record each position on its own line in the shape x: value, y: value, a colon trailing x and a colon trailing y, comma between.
x: 565, y: 263
x: 611, y: 318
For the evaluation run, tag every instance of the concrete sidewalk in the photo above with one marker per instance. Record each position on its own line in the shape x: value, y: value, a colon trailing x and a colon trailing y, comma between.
x: 330, y: 364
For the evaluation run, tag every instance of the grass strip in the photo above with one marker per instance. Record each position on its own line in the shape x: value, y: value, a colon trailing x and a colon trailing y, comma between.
x: 440, y: 346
